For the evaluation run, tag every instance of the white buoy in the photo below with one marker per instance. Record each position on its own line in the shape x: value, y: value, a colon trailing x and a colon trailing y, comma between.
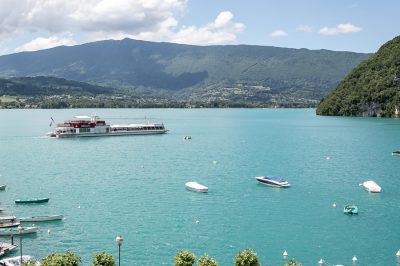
x: 398, y: 253
x: 328, y: 158
x: 285, y: 254
x: 321, y: 261
x: 79, y: 206
x: 215, y: 162
x: 48, y: 231
x: 354, y: 259
x: 334, y: 205
x: 197, y: 221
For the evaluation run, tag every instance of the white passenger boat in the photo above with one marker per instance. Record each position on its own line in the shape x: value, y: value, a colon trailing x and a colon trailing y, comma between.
x: 14, y: 231
x: 194, y: 186
x: 371, y: 186
x: 86, y: 126
x: 273, y: 181
x: 44, y: 218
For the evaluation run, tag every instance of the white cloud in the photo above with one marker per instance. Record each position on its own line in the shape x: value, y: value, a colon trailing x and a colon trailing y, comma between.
x: 153, y: 20
x: 340, y: 29
x: 278, y: 33
x: 44, y: 43
x: 221, y: 30
x: 304, y: 28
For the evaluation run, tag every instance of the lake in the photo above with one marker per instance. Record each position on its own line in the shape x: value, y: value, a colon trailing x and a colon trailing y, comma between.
x: 134, y: 186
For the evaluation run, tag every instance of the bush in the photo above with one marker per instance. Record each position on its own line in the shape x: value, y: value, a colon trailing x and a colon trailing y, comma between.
x: 29, y: 263
x: 205, y: 260
x: 292, y: 262
x: 246, y: 258
x: 103, y: 259
x: 60, y: 259
x: 184, y: 258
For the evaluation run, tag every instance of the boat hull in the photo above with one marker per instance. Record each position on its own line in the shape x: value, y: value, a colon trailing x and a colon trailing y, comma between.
x: 109, y: 134
x: 194, y: 186
x: 371, y: 186
x: 272, y: 183
x: 41, y: 218
x: 14, y: 231
x: 28, y: 201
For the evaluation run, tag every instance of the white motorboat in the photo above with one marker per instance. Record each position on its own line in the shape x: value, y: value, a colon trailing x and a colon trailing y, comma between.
x: 194, y: 186
x: 371, y: 186
x: 273, y: 181
x: 44, y: 218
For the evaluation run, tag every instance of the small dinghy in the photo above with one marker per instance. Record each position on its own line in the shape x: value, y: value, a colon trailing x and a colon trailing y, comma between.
x: 194, y: 186
x: 350, y: 209
x: 371, y: 186
x: 2, y: 187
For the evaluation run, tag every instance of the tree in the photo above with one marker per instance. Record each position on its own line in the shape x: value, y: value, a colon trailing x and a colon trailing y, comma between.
x: 184, y: 258
x: 246, y: 258
x: 103, y: 259
x: 292, y: 262
x: 205, y: 260
x: 61, y: 259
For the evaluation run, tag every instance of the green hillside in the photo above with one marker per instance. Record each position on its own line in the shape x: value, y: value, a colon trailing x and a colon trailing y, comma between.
x: 46, y: 86
x: 371, y: 89
x: 239, y: 73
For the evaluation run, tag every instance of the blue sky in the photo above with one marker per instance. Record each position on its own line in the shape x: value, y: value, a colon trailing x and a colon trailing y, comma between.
x: 360, y: 26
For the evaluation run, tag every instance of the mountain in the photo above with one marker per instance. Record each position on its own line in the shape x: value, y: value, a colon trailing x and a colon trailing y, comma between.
x: 46, y: 86
x: 229, y: 72
x: 371, y: 89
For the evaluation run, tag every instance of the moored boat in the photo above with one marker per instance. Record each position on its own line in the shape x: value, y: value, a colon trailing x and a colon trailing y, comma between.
x: 3, y: 187
x: 371, y: 186
x: 396, y: 153
x: 36, y: 200
x: 86, y: 126
x: 43, y: 218
x: 194, y: 186
x: 14, y: 231
x: 273, y: 181
x: 350, y: 209
x: 8, y: 221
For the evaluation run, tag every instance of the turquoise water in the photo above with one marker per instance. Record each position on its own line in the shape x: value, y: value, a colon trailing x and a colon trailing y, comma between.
x: 134, y: 186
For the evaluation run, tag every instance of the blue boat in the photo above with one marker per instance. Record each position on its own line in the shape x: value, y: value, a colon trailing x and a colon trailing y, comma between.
x: 350, y: 209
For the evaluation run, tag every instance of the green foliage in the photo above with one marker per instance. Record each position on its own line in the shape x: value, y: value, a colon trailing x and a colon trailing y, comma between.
x: 29, y: 263
x: 103, y: 259
x: 61, y: 259
x: 246, y: 257
x: 184, y: 258
x: 292, y: 262
x: 205, y: 260
x: 371, y: 89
